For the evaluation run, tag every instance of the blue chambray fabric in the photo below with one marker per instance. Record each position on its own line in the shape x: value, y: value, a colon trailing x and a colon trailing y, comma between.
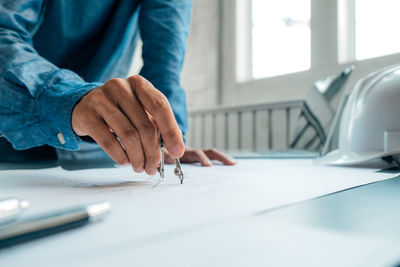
x: 54, y: 52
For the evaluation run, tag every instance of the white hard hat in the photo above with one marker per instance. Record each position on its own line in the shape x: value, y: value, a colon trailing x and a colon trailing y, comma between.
x: 370, y: 123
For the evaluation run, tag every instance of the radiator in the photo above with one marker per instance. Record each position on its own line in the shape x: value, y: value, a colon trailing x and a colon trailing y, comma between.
x: 244, y: 128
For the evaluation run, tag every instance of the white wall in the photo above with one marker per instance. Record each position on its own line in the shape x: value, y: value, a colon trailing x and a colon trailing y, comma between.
x: 200, y: 72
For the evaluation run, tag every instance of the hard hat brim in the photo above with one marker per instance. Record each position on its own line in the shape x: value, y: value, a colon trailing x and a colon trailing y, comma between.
x: 346, y: 158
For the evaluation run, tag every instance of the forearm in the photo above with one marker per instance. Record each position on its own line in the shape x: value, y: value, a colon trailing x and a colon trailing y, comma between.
x: 164, y: 26
x: 36, y: 97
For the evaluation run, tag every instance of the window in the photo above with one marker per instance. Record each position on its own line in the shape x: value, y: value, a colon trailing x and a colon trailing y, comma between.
x: 280, y: 37
x: 303, y: 39
x: 376, y: 26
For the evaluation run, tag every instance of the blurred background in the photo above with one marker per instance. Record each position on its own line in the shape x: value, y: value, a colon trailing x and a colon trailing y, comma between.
x: 250, y: 64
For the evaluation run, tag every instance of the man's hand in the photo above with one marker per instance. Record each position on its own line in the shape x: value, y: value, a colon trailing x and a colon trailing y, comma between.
x: 203, y: 157
x: 132, y: 110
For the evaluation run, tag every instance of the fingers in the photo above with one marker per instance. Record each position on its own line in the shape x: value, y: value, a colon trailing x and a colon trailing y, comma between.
x: 101, y: 133
x: 214, y: 154
x: 203, y: 159
x: 128, y: 135
x: 195, y: 155
x: 157, y: 105
x: 134, y: 110
x: 145, y: 128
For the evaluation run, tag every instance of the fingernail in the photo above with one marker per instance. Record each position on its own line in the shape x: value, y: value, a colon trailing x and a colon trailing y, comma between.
x: 152, y: 171
x: 139, y: 170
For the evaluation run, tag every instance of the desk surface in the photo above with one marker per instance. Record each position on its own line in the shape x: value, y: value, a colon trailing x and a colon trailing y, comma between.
x: 371, y: 211
x: 232, y: 219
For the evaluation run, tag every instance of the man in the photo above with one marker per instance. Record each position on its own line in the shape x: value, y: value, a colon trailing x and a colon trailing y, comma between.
x: 62, y: 78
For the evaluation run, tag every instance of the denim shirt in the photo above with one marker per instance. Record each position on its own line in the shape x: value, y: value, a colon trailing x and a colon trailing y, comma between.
x: 53, y: 52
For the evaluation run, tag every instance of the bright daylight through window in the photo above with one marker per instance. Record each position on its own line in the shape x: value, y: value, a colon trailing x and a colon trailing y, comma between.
x: 280, y: 37
x: 377, y: 25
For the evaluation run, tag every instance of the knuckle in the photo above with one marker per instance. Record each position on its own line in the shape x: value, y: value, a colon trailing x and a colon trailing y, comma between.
x: 98, y: 98
x: 112, y: 112
x: 161, y: 103
x: 114, y: 83
x: 136, y: 78
x: 148, y: 130
x: 97, y: 93
x: 135, y: 81
x: 125, y: 93
x: 114, y: 88
x: 130, y: 133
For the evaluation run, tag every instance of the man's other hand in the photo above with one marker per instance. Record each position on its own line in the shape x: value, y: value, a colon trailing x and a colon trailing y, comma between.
x: 202, y: 156
x: 133, y: 111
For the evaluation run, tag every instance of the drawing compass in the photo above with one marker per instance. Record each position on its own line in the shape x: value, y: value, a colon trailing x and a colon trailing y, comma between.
x: 161, y: 167
x: 178, y: 169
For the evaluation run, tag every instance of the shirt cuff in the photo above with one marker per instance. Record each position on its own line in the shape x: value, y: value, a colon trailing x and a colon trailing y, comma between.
x: 56, y: 108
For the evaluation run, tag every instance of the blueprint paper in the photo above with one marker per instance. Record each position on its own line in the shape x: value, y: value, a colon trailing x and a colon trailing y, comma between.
x: 143, y: 215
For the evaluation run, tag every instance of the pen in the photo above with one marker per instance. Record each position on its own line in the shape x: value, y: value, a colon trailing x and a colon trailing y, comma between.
x: 51, y: 223
x: 10, y: 208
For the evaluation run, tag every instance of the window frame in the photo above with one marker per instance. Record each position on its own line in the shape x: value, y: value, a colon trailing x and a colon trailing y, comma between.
x: 331, y: 52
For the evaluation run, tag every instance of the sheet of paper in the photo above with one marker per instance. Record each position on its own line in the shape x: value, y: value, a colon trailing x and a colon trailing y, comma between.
x: 142, y: 214
x: 249, y: 241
